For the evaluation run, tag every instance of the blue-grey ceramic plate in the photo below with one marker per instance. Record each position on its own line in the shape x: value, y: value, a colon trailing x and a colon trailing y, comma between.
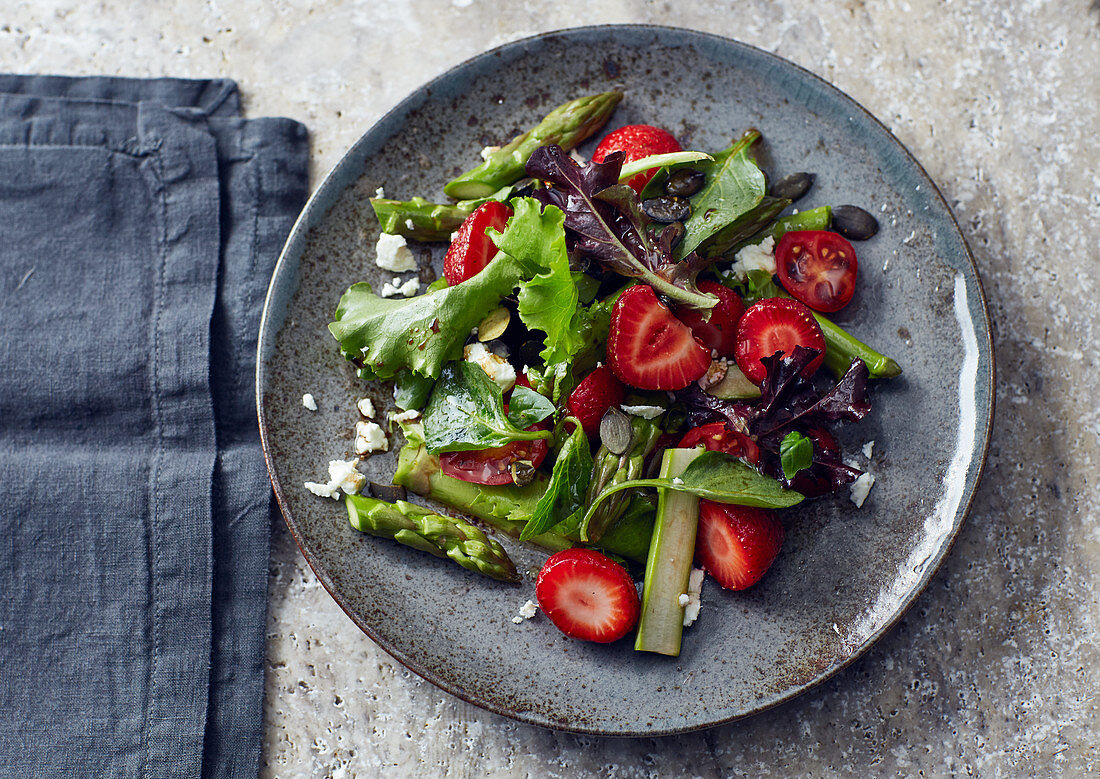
x: 845, y: 575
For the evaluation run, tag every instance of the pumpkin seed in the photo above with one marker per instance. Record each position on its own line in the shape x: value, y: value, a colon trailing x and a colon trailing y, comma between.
x: 667, y: 209
x: 387, y: 492
x: 494, y: 324
x: 685, y: 182
x: 854, y: 223
x: 616, y: 432
x: 793, y: 186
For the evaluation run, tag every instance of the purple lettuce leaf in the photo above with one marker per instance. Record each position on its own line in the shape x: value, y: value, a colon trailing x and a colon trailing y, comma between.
x: 604, y: 220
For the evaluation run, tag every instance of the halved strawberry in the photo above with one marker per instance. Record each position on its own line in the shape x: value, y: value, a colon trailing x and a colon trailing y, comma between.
x: 471, y: 250
x: 719, y: 332
x: 637, y: 141
x: 648, y: 347
x: 587, y: 595
x: 597, y: 392
x: 776, y: 325
x: 736, y: 544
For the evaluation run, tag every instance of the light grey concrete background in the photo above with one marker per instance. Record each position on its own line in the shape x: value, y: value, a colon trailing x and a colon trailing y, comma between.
x: 996, y: 670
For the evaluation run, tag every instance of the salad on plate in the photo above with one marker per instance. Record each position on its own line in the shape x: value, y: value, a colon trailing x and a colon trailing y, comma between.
x: 628, y: 363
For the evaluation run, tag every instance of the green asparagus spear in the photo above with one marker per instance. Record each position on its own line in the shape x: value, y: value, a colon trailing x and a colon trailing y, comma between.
x: 611, y: 469
x: 422, y: 220
x: 567, y: 125
x: 814, y: 219
x: 419, y: 219
x: 668, y: 567
x: 507, y: 507
x: 441, y: 536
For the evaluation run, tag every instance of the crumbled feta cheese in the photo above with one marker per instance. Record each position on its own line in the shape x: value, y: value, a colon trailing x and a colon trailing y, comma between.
x: 392, y: 253
x: 409, y: 224
x: 405, y: 416
x: 366, y: 407
x: 526, y: 611
x: 454, y: 236
x: 488, y: 151
x: 677, y: 480
x: 760, y: 256
x: 496, y: 367
x: 380, y: 193
x: 691, y: 600
x: 645, y: 412
x: 369, y: 438
x: 868, y: 449
x: 860, y: 487
x: 321, y: 490
x: 577, y: 157
x: 397, y: 287
x: 715, y: 373
x: 309, y: 402
x: 342, y: 475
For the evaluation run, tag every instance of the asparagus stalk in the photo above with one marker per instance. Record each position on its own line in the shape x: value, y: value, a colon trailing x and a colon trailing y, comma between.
x: 814, y: 219
x: 668, y: 566
x: 567, y: 125
x: 611, y: 469
x: 441, y: 536
x: 507, y: 507
x: 420, y: 219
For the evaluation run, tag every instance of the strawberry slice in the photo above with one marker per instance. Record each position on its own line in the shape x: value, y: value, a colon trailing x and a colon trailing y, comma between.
x: 597, y: 392
x: 736, y: 544
x: 587, y: 595
x: 637, y: 141
x: 648, y: 347
x: 471, y: 250
x: 719, y: 332
x: 776, y: 325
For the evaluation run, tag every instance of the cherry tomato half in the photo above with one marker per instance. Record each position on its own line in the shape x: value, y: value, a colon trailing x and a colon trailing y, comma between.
x: 494, y: 466
x: 716, y: 437
x: 817, y: 267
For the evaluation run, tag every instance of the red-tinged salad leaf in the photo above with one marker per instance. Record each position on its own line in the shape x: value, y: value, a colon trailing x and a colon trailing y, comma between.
x: 790, y: 404
x: 604, y: 221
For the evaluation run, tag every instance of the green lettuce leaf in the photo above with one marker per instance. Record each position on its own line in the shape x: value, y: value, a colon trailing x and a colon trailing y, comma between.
x: 548, y: 302
x: 563, y: 501
x: 466, y: 411
x: 387, y: 335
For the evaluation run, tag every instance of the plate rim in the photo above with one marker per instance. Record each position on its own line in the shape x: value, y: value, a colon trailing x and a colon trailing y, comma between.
x: 315, y: 209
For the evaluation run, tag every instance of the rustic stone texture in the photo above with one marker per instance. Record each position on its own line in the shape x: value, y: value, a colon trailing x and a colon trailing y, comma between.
x: 995, y: 670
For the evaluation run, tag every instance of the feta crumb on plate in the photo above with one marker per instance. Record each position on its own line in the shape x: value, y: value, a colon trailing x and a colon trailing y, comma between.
x: 392, y: 253
x: 342, y: 475
x: 309, y: 402
x: 380, y: 193
x: 868, y: 448
x: 526, y: 611
x: 496, y: 367
x: 860, y: 487
x: 760, y: 256
x: 645, y: 412
x: 366, y: 407
x: 397, y: 287
x: 690, y: 600
x: 369, y: 437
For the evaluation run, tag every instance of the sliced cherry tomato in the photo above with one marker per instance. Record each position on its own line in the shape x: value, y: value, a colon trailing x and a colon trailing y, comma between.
x: 719, y: 332
x: 494, y: 466
x: 471, y: 250
x: 817, y: 267
x: 717, y: 437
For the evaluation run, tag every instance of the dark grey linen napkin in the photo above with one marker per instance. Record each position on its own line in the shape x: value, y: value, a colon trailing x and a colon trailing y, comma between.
x: 139, y: 223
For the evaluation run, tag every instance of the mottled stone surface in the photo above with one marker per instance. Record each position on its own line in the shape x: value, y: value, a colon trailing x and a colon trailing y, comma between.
x: 996, y: 670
